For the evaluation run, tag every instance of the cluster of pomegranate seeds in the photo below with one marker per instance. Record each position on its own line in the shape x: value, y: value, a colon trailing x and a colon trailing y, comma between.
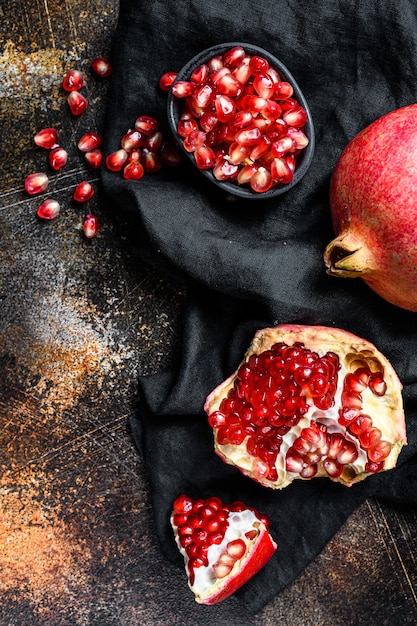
x: 240, y: 120
x: 142, y: 150
x: 360, y: 425
x: 202, y: 523
x: 89, y: 144
x: 269, y: 397
x: 271, y: 393
x: 334, y: 449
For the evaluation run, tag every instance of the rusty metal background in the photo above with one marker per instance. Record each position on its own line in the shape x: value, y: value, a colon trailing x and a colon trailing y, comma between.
x: 79, y: 320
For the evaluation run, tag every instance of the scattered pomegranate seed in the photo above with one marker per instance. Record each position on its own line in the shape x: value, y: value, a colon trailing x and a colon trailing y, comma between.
x: 132, y: 139
x: 101, y: 67
x: 73, y: 80
x: 150, y: 161
x: 166, y: 80
x: 57, y: 158
x: 133, y: 171
x: 48, y: 210
x: 94, y: 158
x: 146, y: 124
x: 36, y: 183
x: 83, y: 192
x: 91, y: 225
x: 77, y: 103
x: 46, y: 138
x: 89, y: 141
x: 169, y: 155
x: 116, y: 160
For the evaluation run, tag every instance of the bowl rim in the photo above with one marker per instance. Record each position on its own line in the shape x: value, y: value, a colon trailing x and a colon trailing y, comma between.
x: 174, y: 106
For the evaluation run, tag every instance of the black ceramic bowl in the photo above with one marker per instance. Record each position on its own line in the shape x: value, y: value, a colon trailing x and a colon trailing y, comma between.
x: 176, y: 105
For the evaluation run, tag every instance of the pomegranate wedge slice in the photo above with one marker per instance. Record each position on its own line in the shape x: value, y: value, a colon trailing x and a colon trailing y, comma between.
x: 309, y: 401
x: 223, y: 545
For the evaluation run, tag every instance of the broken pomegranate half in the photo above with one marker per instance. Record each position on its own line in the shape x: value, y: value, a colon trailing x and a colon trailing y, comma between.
x: 223, y: 545
x: 309, y: 401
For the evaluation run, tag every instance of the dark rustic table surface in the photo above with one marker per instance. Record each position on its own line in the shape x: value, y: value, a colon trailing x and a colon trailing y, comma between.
x: 80, y: 319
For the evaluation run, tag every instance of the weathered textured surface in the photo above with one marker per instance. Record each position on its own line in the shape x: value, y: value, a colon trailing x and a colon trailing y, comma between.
x: 79, y: 320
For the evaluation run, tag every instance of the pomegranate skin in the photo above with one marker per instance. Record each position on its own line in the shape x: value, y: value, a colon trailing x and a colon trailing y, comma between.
x: 354, y: 413
x: 373, y: 203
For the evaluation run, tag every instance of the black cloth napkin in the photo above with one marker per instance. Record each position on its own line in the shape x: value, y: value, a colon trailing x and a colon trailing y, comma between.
x: 248, y: 265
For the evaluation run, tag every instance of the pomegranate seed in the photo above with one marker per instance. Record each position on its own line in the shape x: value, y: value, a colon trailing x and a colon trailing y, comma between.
x: 203, y: 95
x: 243, y: 72
x: 223, y: 170
x: 225, y: 108
x: 258, y: 64
x: 215, y: 63
x: 150, y: 161
x: 133, y: 171
x: 36, y: 183
x: 253, y: 104
x: 282, y: 146
x: 248, y: 136
x: 238, y: 153
x: 332, y: 467
x: 246, y: 173
x: 116, y: 160
x: 73, y: 80
x: 83, y: 192
x: 370, y: 437
x: 77, y: 103
x: 295, y: 117
x: 194, y: 140
x: 234, y: 56
x: 57, y: 158
x: 101, y: 67
x: 281, y: 172
x: 236, y: 548
x: 132, y: 139
x: 299, y: 139
x: 166, y: 80
x: 169, y: 155
x: 89, y: 141
x: 200, y: 74
x: 182, y: 88
x: 46, y: 138
x: 186, y: 126
x: 229, y: 85
x: 204, y: 157
x: 94, y: 158
x: 91, y: 226
x: 283, y: 90
x: 377, y: 384
x: 348, y: 453
x: 380, y: 451
x: 153, y: 142
x: 264, y: 86
x: 146, y: 124
x: 48, y: 210
x: 261, y: 181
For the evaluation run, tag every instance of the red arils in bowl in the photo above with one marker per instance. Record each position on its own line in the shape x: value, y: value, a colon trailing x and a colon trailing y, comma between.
x: 309, y: 401
x: 240, y: 117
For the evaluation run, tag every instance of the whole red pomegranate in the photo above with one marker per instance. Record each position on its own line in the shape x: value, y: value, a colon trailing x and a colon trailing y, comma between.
x: 309, y: 401
x: 223, y: 545
x: 373, y: 201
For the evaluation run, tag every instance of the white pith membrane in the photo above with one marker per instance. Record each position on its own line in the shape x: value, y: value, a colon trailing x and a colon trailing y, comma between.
x: 206, y: 585
x: 386, y: 411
